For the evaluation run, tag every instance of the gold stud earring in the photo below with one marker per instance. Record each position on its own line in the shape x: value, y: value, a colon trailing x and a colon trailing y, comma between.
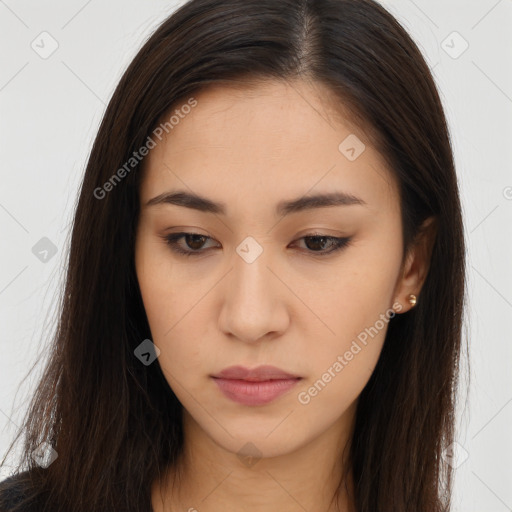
x: 412, y: 299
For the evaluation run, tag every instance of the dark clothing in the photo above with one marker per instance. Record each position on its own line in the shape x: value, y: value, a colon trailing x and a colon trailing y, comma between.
x: 12, y: 490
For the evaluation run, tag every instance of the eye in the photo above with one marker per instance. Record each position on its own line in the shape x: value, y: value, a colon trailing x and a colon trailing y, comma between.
x: 195, y: 241
x: 316, y: 241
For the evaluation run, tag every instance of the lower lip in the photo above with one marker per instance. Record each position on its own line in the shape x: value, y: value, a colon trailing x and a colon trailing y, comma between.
x: 254, y: 393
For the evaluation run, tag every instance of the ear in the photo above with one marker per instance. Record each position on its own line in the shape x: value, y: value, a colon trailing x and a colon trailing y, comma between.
x: 417, y: 263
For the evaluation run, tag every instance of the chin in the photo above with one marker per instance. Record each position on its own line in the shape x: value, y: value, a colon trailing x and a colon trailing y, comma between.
x: 251, y: 444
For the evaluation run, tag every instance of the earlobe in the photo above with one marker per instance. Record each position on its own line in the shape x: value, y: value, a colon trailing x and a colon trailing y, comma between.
x: 417, y: 265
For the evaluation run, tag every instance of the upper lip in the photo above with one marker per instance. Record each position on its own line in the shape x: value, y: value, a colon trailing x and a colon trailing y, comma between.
x: 260, y: 373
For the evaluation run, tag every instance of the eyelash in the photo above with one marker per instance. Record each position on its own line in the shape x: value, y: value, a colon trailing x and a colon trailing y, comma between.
x: 338, y: 244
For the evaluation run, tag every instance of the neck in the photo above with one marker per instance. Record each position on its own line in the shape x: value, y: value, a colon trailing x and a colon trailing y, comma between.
x: 209, y: 478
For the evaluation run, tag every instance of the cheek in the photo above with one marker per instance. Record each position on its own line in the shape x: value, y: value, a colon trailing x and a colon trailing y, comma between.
x: 355, y: 312
x: 341, y: 368
x: 354, y: 299
x: 171, y: 306
x: 163, y: 290
x: 180, y: 363
x: 361, y: 289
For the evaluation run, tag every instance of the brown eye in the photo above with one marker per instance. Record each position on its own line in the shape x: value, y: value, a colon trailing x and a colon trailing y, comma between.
x: 193, y: 241
x: 316, y: 244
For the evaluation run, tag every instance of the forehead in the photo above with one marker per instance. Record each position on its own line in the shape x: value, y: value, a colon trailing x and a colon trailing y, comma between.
x: 264, y: 143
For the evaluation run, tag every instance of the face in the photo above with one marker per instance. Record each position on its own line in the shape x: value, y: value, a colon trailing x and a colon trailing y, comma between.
x: 267, y: 278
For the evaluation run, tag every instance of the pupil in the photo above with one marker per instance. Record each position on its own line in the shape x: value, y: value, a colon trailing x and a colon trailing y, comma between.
x: 317, y: 238
x: 197, y: 241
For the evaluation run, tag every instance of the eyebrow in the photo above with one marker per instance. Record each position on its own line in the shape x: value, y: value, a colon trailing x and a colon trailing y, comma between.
x: 203, y: 204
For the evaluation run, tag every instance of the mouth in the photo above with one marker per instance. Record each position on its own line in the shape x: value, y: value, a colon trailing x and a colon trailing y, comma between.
x: 258, y: 374
x: 258, y: 386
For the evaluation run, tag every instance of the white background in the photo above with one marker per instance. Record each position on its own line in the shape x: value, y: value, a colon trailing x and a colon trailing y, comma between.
x: 51, y: 109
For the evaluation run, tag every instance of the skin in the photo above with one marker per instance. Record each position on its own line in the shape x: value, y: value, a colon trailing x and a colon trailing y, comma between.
x: 290, y: 307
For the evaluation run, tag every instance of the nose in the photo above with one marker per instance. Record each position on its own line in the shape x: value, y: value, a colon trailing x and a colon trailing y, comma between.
x: 255, y: 301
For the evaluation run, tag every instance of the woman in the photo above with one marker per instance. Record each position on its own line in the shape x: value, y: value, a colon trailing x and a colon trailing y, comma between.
x: 266, y: 278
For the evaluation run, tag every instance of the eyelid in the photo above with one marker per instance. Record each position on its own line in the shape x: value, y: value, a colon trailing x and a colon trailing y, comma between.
x: 339, y: 243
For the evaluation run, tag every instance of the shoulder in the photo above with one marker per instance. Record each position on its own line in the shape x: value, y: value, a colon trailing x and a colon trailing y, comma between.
x: 13, y: 490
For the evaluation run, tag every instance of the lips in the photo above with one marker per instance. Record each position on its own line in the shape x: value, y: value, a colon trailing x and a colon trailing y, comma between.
x: 258, y: 386
x: 258, y: 374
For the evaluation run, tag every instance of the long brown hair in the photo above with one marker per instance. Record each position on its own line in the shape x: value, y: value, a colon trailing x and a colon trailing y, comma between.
x: 114, y: 422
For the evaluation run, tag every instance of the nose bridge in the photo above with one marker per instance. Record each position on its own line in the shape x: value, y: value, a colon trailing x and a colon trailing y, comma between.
x: 250, y: 272
x: 250, y: 307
